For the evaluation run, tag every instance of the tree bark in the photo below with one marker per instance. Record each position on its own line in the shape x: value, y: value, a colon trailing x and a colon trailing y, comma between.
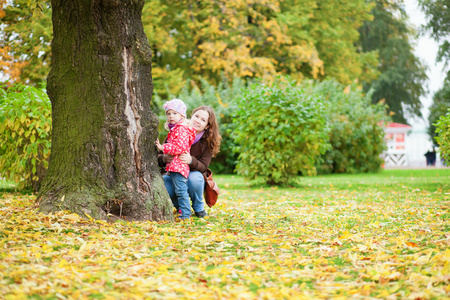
x: 103, y: 160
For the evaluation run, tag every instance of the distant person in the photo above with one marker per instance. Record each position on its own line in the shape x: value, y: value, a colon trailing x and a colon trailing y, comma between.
x: 428, y: 156
x: 433, y: 157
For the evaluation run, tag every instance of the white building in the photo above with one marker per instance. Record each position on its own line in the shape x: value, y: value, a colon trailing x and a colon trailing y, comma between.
x: 406, y: 146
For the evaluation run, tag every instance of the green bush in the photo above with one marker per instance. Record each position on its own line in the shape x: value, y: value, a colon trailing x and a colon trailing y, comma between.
x: 443, y: 136
x: 357, y: 135
x: 25, y: 130
x: 280, y: 131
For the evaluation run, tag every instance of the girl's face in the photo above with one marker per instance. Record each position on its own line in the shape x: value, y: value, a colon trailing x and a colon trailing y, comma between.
x: 200, y: 120
x: 173, y: 117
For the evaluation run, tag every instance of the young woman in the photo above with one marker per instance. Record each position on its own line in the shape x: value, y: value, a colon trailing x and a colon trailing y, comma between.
x: 205, y: 146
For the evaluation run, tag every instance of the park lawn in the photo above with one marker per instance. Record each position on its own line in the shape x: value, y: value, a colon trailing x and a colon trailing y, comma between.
x: 383, y: 235
x: 6, y: 186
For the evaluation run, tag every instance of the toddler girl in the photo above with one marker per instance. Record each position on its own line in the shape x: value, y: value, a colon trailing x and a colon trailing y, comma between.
x: 179, y: 140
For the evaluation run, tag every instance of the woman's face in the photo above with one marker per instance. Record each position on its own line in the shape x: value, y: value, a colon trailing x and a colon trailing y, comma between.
x: 200, y: 120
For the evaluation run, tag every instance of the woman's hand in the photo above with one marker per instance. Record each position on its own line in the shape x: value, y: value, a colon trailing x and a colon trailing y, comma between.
x: 186, y: 158
x: 167, y: 158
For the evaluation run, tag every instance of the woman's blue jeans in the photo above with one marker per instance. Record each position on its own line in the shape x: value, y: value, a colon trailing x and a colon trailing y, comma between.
x: 196, y: 186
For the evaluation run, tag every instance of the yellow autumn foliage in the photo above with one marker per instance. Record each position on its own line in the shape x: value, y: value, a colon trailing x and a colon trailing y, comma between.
x: 384, y: 237
x: 259, y: 38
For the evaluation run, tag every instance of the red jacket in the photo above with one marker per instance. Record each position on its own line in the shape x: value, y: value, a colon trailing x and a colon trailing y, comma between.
x: 179, y: 140
x: 200, y: 154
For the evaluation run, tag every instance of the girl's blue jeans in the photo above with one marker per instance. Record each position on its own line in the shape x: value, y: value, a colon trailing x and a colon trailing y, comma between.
x: 195, y: 187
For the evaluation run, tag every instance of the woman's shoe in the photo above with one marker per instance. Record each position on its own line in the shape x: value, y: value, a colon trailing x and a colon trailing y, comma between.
x: 201, y: 214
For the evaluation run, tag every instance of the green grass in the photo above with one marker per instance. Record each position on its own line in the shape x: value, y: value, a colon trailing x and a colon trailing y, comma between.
x: 7, y: 186
x: 426, y: 179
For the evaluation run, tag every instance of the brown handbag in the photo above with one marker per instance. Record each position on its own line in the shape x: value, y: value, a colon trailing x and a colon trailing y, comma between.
x: 212, y: 190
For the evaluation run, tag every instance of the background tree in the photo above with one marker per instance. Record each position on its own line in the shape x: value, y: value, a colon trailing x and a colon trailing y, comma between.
x: 220, y: 39
x: 211, y: 39
x: 334, y: 30
x: 167, y: 77
x: 402, y: 76
x: 102, y: 160
x: 439, y: 107
x: 437, y: 13
x: 25, y: 46
x: 261, y: 39
x: 2, y: 11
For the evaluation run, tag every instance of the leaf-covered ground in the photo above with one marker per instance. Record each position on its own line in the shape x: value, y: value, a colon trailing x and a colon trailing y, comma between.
x: 383, y: 236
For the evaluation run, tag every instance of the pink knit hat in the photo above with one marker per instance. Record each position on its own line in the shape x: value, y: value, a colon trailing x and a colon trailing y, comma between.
x: 177, y: 105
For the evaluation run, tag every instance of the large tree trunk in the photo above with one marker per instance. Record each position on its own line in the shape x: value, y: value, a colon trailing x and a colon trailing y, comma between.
x: 103, y: 157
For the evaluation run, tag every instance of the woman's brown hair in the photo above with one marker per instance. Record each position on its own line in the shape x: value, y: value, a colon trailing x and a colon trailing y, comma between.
x: 212, y: 133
